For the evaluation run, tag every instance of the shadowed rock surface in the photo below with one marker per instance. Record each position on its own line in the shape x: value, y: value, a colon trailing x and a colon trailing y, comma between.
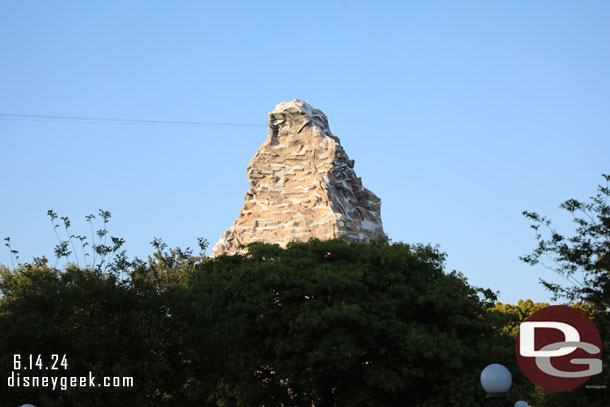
x: 302, y: 186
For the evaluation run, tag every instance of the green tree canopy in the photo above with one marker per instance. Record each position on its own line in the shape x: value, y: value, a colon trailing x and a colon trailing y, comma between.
x: 333, y: 323
x: 322, y: 323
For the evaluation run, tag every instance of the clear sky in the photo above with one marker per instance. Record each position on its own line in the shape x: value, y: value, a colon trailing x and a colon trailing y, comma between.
x: 460, y: 115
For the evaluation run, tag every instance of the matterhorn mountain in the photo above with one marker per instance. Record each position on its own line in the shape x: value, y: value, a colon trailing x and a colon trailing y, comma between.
x: 302, y: 185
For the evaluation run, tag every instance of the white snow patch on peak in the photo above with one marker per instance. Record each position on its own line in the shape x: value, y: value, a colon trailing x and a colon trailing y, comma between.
x: 295, y: 104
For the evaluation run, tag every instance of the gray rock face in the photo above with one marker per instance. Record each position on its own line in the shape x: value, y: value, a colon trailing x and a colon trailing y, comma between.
x: 302, y: 186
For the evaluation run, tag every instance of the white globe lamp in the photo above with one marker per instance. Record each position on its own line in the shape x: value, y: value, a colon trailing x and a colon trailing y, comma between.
x: 521, y: 403
x: 496, y: 381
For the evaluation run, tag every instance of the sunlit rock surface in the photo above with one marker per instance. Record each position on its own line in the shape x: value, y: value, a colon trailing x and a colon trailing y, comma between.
x: 302, y: 185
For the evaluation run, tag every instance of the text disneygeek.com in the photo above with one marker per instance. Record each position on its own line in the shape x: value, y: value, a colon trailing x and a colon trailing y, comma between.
x: 33, y: 363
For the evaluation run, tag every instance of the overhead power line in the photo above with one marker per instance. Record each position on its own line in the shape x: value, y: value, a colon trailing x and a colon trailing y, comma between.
x: 77, y: 119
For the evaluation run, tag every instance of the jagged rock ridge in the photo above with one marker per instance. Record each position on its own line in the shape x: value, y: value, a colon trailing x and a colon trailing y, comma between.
x: 302, y: 186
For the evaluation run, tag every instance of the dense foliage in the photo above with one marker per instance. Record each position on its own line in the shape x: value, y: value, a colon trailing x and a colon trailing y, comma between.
x: 346, y: 324
x: 328, y: 323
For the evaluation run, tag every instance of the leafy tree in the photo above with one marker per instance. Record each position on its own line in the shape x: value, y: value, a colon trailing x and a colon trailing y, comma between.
x: 104, y: 325
x: 111, y: 316
x: 583, y: 260
x: 513, y: 315
x: 335, y: 323
x: 170, y: 268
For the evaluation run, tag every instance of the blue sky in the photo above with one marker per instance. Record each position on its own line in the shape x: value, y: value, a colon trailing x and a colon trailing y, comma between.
x: 460, y: 115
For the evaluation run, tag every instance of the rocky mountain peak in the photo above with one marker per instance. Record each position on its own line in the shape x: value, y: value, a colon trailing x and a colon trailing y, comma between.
x: 302, y: 186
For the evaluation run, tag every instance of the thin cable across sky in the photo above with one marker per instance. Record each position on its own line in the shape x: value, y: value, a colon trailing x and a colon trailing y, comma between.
x: 78, y: 119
